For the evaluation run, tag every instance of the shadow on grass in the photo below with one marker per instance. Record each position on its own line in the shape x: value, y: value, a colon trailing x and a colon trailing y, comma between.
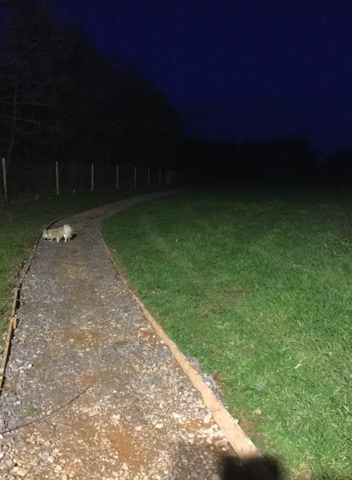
x: 232, y: 468
x: 266, y: 468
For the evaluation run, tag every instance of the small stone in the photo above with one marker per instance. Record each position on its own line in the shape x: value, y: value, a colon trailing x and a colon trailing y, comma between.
x: 176, y: 416
x: 9, y: 464
x: 207, y: 417
x: 221, y: 443
x: 19, y: 472
x: 159, y: 425
x: 44, y: 456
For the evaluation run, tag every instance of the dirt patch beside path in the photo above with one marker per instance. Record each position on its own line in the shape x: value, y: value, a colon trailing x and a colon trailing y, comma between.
x: 91, y: 391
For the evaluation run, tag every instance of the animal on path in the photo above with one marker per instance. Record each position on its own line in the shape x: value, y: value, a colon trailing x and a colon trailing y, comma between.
x: 65, y: 232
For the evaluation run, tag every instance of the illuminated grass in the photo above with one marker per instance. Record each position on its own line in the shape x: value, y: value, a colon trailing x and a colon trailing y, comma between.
x: 257, y: 287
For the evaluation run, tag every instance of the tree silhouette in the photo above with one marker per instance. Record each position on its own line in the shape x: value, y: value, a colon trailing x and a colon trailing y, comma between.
x: 62, y: 99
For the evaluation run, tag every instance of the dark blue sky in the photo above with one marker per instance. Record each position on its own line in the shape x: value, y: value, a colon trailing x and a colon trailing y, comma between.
x: 236, y: 70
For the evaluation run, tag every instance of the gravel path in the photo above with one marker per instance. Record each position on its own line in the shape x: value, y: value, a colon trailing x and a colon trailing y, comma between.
x: 91, y: 392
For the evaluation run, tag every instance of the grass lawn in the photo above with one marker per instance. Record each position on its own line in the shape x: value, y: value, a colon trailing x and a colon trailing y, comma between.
x: 21, y: 223
x: 257, y: 286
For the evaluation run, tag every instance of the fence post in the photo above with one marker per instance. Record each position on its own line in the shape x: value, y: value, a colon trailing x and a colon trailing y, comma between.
x: 57, y: 178
x: 92, y: 177
x: 159, y: 177
x: 148, y: 177
x: 4, y: 179
x: 135, y: 177
x: 117, y: 178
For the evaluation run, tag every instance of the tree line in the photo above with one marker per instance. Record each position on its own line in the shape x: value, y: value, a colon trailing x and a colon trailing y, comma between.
x: 63, y: 100
x: 284, y: 160
x: 275, y: 160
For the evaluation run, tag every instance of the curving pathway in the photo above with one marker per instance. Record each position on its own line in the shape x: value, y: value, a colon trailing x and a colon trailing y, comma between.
x: 91, y: 390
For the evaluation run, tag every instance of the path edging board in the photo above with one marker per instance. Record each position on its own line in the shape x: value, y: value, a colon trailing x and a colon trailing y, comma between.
x: 12, y: 325
x: 239, y: 441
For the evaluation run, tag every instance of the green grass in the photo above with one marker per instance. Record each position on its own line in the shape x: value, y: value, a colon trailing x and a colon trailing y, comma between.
x: 21, y: 223
x: 257, y: 286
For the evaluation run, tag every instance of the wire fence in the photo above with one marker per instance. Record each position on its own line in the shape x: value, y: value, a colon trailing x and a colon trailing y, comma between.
x: 59, y: 177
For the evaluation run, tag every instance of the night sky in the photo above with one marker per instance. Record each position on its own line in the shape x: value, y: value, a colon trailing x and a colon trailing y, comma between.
x: 237, y: 70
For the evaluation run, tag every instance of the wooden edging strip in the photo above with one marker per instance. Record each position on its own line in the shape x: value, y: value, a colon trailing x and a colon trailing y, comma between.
x: 238, y: 440
x: 13, y: 319
x: 5, y: 354
x: 10, y: 329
